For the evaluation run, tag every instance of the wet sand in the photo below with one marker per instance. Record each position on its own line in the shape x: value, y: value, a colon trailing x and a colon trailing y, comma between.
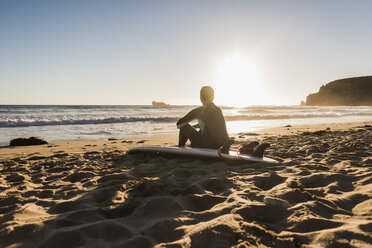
x: 93, y: 194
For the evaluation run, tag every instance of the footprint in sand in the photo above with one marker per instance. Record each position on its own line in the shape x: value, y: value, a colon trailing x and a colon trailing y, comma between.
x: 113, y: 179
x: 215, y: 185
x: 165, y: 230
x: 78, y: 176
x: 261, y: 212
x: 15, y: 178
x: 310, y: 224
x: 37, y: 157
x: 78, y: 217
x: 316, y: 180
x: 296, y: 195
x: 123, y: 210
x: 366, y: 227
x: 273, y: 201
x: 66, y: 206
x: 59, y: 155
x: 137, y: 242
x: 199, y: 203
x: 8, y: 203
x: 267, y: 182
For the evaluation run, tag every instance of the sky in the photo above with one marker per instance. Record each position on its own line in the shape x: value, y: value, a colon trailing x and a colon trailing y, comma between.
x: 134, y: 52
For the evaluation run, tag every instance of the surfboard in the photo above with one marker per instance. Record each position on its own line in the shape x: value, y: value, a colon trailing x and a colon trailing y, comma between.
x: 200, y: 152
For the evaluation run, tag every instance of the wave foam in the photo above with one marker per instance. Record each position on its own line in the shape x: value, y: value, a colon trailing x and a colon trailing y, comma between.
x: 110, y: 120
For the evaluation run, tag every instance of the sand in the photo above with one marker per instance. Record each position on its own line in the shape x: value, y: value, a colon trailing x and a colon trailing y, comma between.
x: 93, y: 194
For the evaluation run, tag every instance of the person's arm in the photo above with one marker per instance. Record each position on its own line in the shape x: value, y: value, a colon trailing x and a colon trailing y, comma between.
x: 192, y: 115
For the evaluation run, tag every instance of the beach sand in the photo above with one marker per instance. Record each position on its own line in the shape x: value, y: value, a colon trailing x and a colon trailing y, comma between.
x: 93, y: 194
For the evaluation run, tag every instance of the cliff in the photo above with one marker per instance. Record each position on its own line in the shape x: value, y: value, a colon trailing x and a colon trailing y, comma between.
x: 355, y: 91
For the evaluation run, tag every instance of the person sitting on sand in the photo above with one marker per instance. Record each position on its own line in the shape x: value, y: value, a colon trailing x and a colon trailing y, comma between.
x: 213, y: 133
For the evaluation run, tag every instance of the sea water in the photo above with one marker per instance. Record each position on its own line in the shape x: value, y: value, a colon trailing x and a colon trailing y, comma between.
x: 67, y: 123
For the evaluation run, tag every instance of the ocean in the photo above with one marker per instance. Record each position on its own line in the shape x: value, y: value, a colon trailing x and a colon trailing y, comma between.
x: 68, y: 123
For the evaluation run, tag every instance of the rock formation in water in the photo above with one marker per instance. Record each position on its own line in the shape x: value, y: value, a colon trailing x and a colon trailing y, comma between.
x: 355, y: 91
x: 159, y: 104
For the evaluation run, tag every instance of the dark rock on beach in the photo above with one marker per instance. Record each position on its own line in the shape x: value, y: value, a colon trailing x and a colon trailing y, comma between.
x: 27, y: 142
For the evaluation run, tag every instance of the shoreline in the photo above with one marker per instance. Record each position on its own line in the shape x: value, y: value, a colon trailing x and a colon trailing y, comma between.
x: 81, y: 146
x: 123, y: 122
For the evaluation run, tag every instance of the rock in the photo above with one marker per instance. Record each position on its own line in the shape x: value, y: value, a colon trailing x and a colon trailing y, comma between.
x: 27, y: 142
x: 159, y: 104
x: 355, y: 91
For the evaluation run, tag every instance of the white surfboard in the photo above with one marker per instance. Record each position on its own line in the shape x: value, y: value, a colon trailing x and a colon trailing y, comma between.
x: 201, y: 152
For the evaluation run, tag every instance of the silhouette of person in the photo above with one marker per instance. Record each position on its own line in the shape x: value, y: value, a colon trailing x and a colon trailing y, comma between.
x: 212, y: 133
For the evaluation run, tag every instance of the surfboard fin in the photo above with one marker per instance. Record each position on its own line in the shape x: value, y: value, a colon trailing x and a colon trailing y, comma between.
x: 260, y: 150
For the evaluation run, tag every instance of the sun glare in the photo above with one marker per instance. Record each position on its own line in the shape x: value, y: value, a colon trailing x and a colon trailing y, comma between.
x: 238, y: 82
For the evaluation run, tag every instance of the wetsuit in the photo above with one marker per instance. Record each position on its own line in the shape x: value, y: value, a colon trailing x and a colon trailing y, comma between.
x: 212, y: 134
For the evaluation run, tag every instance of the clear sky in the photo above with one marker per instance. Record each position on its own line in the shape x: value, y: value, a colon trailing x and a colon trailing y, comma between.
x: 133, y: 52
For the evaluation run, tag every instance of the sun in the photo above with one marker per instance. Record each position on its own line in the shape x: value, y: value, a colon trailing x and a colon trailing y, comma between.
x: 238, y: 82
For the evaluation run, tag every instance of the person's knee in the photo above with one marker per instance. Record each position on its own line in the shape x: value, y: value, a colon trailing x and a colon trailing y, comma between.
x: 186, y: 127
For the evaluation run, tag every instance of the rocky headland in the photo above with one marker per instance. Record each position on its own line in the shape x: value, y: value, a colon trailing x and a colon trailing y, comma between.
x: 356, y: 91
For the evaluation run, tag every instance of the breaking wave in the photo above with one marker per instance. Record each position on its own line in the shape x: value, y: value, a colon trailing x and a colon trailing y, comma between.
x: 110, y: 120
x: 29, y: 122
